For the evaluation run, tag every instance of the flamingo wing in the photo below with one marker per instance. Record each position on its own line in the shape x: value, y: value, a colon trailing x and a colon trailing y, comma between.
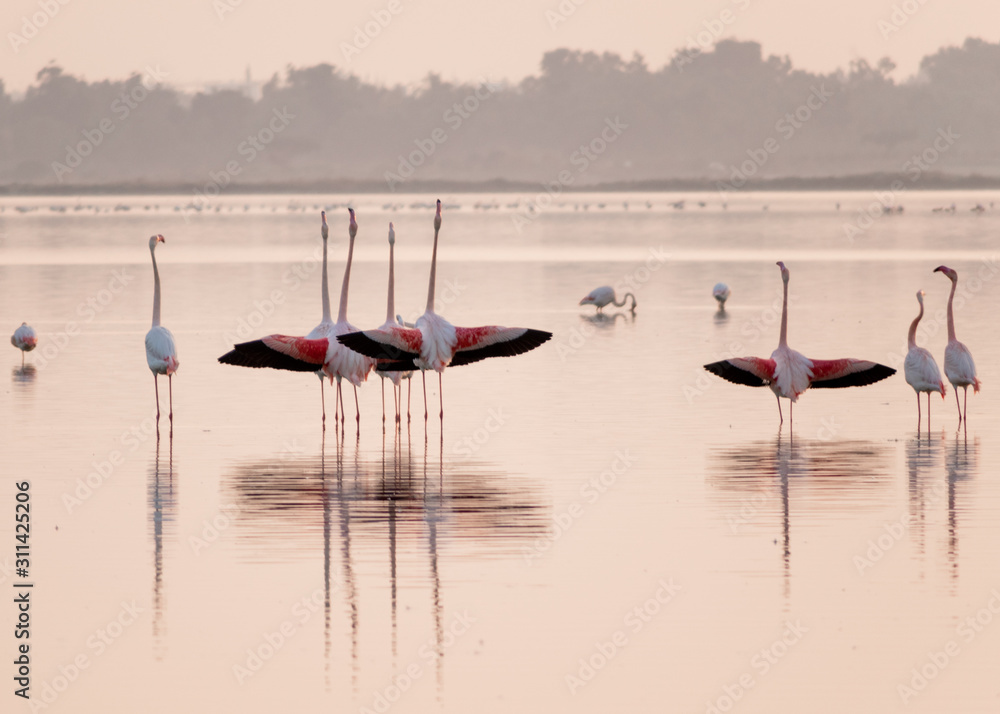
x: 751, y: 371
x: 848, y: 372
x: 477, y: 343
x: 296, y: 354
x: 391, y: 344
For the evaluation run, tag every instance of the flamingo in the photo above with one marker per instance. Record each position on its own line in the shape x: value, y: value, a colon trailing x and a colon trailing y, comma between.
x: 24, y: 339
x: 958, y: 364
x: 390, y: 321
x: 920, y: 369
x: 161, y: 352
x: 789, y: 373
x: 316, y: 350
x: 605, y: 295
x: 435, y: 343
x: 721, y: 293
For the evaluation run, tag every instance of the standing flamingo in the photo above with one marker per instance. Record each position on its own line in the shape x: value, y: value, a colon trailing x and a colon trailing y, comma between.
x: 605, y: 295
x: 316, y: 350
x: 958, y: 364
x: 789, y: 373
x: 390, y: 321
x: 919, y: 368
x: 435, y: 343
x: 161, y: 352
x: 24, y: 339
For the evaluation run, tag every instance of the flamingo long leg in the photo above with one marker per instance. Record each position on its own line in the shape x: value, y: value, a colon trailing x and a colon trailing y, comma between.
x: 358, y: 408
x: 959, y: 405
x: 383, y: 398
x: 965, y: 409
x: 423, y: 376
x: 441, y: 394
x: 156, y: 391
x: 322, y: 401
x: 780, y: 417
x: 918, y: 407
x: 170, y: 391
x: 409, y: 391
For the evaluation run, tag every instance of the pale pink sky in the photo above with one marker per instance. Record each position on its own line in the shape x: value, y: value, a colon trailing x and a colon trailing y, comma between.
x: 198, y: 41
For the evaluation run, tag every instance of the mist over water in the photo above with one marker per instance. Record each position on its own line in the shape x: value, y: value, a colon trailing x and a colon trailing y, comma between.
x: 597, y: 525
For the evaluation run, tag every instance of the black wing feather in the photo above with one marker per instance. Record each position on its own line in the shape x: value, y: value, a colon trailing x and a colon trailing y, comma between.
x: 256, y: 354
x: 528, y: 341
x: 857, y: 379
x: 365, y: 345
x: 735, y: 375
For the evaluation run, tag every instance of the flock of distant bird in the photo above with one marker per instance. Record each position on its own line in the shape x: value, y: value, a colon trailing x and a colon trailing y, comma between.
x: 395, y: 350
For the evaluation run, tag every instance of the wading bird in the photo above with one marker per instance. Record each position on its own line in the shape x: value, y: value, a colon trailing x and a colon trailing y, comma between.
x: 721, y: 293
x: 161, y: 352
x: 958, y: 364
x: 395, y: 377
x: 605, y: 295
x: 435, y: 343
x: 315, y: 351
x: 789, y: 373
x: 24, y: 339
x: 919, y: 368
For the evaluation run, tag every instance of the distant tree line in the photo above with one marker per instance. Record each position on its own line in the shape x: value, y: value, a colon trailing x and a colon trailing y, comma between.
x: 727, y: 114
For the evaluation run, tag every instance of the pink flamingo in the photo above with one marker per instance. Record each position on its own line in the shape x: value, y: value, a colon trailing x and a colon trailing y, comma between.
x: 161, y: 352
x: 24, y: 339
x: 395, y: 377
x: 604, y: 296
x: 789, y: 373
x: 318, y: 349
x: 919, y: 368
x: 435, y: 343
x: 958, y: 364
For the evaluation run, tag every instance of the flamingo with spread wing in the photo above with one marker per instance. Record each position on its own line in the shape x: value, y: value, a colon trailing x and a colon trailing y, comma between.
x: 789, y: 373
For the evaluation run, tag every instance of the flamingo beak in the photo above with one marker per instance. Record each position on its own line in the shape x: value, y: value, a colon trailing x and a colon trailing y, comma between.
x: 160, y: 239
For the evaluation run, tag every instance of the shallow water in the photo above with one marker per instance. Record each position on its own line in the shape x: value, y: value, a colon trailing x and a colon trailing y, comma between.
x: 597, y: 525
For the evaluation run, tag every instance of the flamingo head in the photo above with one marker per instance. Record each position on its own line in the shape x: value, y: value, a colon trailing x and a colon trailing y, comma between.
x: 354, y: 223
x: 437, y: 216
x: 920, y: 297
x: 948, y: 272
x: 326, y: 229
x: 588, y: 300
x: 392, y: 234
x: 784, y: 272
x: 153, y: 240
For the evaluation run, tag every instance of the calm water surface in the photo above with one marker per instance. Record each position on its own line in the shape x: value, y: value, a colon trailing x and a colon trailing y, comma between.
x: 598, y: 525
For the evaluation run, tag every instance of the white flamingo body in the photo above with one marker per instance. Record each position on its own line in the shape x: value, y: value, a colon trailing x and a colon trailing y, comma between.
x: 721, y: 293
x: 919, y: 367
x: 24, y: 339
x: 605, y: 295
x: 959, y: 366
x: 161, y: 350
x: 789, y: 373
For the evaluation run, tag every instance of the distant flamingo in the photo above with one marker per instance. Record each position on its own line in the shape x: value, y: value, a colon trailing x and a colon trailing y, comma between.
x: 958, y: 364
x: 605, y: 295
x: 721, y: 293
x: 305, y: 354
x: 161, y: 352
x: 435, y: 343
x: 24, y: 339
x: 919, y: 368
x: 789, y: 373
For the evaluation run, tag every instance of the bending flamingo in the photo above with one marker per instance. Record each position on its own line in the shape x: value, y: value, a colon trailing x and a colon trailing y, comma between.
x: 605, y: 295
x: 919, y: 368
x: 306, y: 354
x: 24, y: 339
x: 435, y: 343
x: 161, y: 352
x: 958, y: 364
x: 789, y: 373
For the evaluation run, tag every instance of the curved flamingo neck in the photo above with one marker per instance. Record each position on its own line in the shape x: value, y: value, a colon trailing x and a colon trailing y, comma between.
x: 342, y: 315
x: 951, y: 311
x: 390, y: 310
x: 911, y: 338
x: 625, y: 298
x: 325, y: 288
x: 434, y: 260
x: 156, y: 289
x: 783, y: 338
